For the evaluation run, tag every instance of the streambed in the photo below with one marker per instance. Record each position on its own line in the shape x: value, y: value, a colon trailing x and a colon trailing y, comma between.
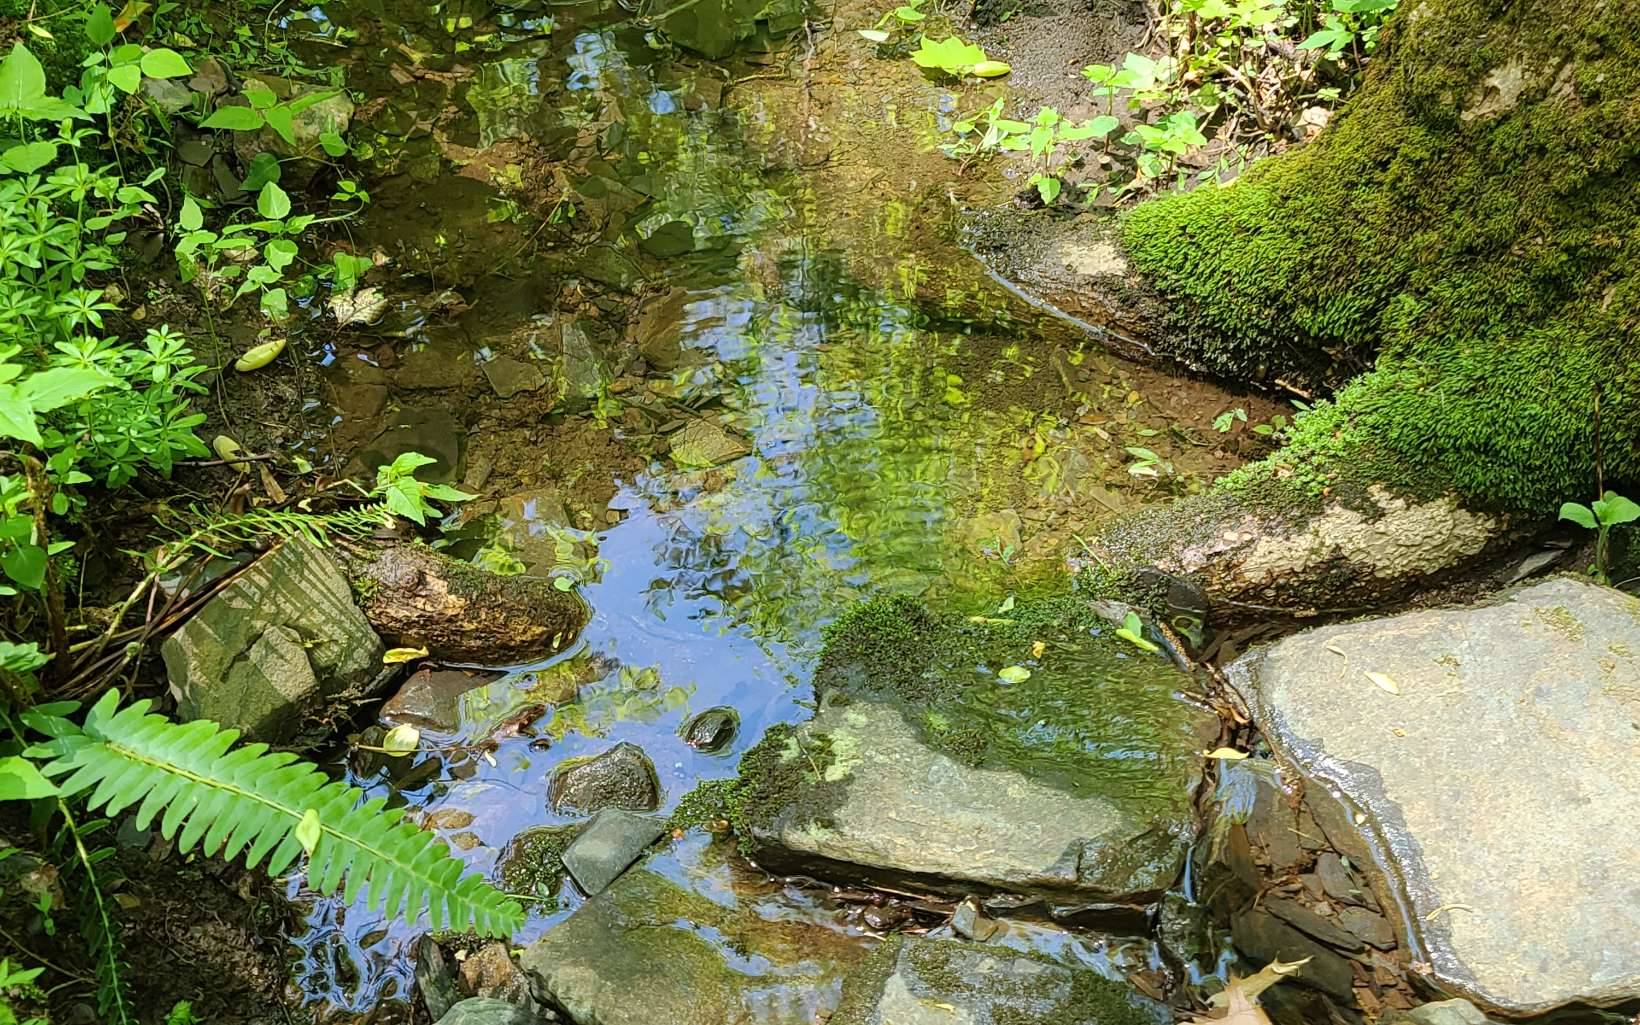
x: 702, y: 337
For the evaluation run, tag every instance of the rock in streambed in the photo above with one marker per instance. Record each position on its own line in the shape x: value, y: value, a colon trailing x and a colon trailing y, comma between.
x: 1483, y: 759
x: 925, y: 767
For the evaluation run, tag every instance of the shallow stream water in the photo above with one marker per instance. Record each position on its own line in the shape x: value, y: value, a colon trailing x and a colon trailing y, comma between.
x: 908, y: 425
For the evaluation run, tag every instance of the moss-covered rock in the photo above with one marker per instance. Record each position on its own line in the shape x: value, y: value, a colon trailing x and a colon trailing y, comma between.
x: 1466, y: 228
x: 1070, y: 776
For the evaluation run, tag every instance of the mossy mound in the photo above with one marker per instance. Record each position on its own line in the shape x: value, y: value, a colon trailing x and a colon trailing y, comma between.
x: 1466, y: 229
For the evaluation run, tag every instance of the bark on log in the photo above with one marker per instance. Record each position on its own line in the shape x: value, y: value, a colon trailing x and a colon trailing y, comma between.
x: 417, y: 597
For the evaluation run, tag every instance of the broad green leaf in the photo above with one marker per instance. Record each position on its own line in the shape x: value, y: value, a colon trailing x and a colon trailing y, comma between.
x: 191, y: 219
x: 21, y: 781
x: 127, y: 78
x: 272, y: 202
x: 99, y: 26
x: 17, y: 417
x: 874, y: 35
x: 1014, y: 674
x: 333, y: 144
x: 952, y: 56
x: 1614, y: 509
x: 275, y: 304
x: 279, y: 253
x: 163, y: 63
x: 26, y: 565
x: 1581, y: 515
x: 401, y: 740
x: 260, y: 97
x: 1048, y: 187
x: 30, y: 156
x: 22, y: 80
x: 279, y: 120
x: 259, y: 356
x: 236, y: 119
x: 57, y: 387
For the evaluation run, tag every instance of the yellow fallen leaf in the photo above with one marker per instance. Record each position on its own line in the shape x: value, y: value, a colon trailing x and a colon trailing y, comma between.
x: 1248, y: 989
x: 1037, y: 648
x: 395, y: 656
x: 1228, y: 754
x: 259, y: 356
x: 1448, y: 907
x: 227, y: 450
x: 1239, y: 1011
x: 1384, y: 682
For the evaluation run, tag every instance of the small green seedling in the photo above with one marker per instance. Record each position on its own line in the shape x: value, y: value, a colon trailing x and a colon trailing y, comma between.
x: 1133, y: 631
x: 1601, y: 515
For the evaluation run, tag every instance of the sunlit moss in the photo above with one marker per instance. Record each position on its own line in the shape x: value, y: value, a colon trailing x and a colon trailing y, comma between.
x: 1483, y: 257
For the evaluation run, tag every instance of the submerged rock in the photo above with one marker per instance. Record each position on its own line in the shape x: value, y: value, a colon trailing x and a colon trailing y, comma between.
x: 712, y: 730
x: 702, y: 443
x: 649, y: 950
x: 491, y: 972
x: 612, y: 841
x: 622, y: 777
x: 911, y: 980
x: 488, y: 1011
x: 431, y: 698
x: 1445, y: 1012
x: 1074, y: 784
x: 1486, y: 766
x: 435, y: 979
x: 274, y: 644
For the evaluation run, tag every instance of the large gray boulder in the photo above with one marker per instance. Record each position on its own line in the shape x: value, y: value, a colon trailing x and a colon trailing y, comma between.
x: 911, y: 980
x: 1484, y: 760
x: 275, y: 643
x: 651, y: 949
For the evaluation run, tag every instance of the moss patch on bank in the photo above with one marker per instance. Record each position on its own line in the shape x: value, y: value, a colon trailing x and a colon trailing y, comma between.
x: 1468, y: 223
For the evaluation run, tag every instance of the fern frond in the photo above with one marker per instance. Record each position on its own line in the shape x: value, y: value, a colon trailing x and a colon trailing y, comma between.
x: 230, y: 800
x: 238, y: 530
x: 98, y: 928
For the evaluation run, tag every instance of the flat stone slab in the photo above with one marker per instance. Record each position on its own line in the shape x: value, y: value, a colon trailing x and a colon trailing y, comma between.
x: 911, y: 980
x: 1488, y: 769
x: 660, y: 946
x: 612, y: 841
x: 895, y: 810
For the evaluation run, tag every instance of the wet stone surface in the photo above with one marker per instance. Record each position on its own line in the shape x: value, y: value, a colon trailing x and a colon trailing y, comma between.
x: 622, y: 777
x: 911, y: 980
x: 1516, y: 888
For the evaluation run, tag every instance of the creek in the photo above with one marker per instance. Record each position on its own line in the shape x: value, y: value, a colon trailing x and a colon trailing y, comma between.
x: 781, y: 241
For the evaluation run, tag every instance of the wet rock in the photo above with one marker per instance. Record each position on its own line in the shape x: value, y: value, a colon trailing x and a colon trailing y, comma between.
x: 712, y: 730
x: 435, y: 979
x: 509, y: 377
x: 1311, y: 924
x: 702, y: 443
x: 195, y: 152
x: 900, y: 775
x: 912, y: 980
x: 491, y: 972
x: 650, y: 949
x: 668, y: 239
x: 274, y: 644
x: 658, y: 330
x: 1368, y: 926
x: 435, y: 367
x: 611, y: 842
x: 1445, y: 1012
x: 1260, y: 937
x: 1515, y: 888
x: 210, y: 77
x: 431, y: 698
x: 426, y: 429
x: 582, y: 374
x: 168, y: 94
x: 622, y: 777
x: 488, y: 1011
x: 1339, y: 883
x: 1182, y: 930
x: 970, y: 922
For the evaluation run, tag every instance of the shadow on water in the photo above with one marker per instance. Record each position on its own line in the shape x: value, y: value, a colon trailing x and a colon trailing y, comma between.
x: 859, y: 438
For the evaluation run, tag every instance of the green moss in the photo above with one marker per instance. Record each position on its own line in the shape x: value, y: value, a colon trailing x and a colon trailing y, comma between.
x: 1563, y: 621
x: 532, y: 865
x: 1088, y: 702
x: 1482, y: 266
x: 777, y: 774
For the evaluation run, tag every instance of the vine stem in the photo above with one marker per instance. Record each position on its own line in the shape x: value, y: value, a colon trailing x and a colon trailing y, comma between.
x: 115, y: 988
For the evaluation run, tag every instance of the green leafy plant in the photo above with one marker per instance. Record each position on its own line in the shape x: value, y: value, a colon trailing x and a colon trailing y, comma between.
x: 397, y: 485
x: 1354, y: 25
x: 1601, y: 515
x: 1132, y: 630
x: 1042, y: 138
x: 952, y: 56
x: 1228, y: 419
x: 907, y: 14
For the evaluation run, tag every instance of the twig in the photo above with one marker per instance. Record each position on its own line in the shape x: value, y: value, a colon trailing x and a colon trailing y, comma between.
x: 264, y: 457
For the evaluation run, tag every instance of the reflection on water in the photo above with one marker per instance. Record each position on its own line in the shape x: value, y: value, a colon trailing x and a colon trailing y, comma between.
x: 886, y: 453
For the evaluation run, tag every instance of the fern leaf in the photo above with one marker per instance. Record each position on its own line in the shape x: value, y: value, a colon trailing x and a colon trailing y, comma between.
x: 206, y: 792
